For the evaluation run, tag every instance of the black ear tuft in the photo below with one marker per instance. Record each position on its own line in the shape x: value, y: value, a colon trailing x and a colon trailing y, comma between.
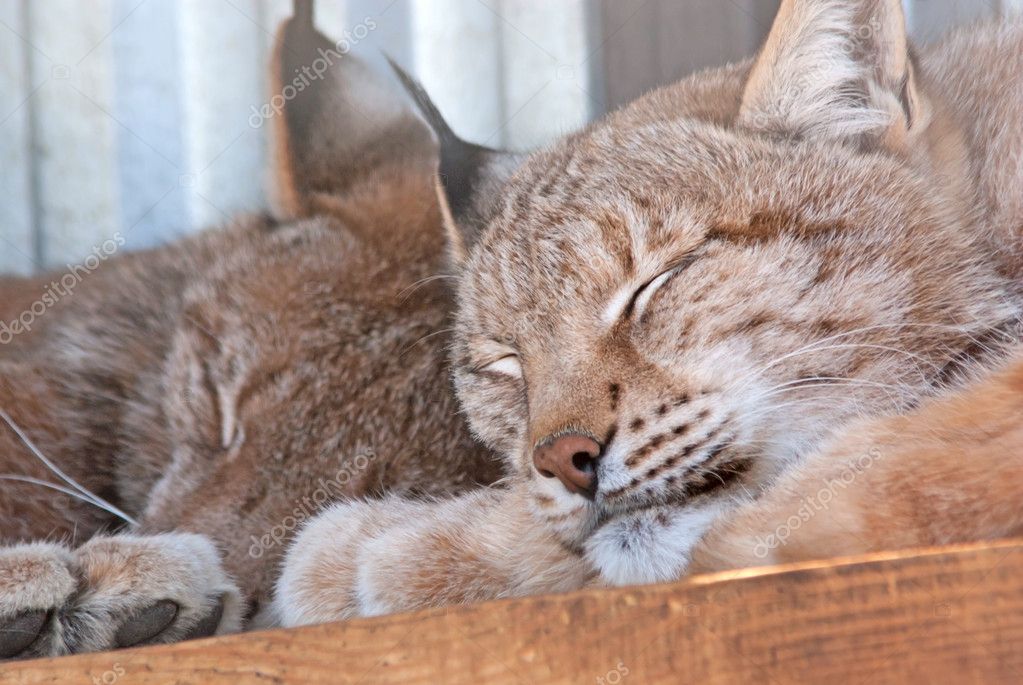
x: 470, y: 174
x: 461, y: 163
x: 304, y: 12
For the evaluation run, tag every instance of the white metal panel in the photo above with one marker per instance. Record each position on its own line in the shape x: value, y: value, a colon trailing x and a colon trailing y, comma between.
x: 147, y: 101
x: 17, y: 248
x: 457, y: 56
x: 75, y: 128
x: 223, y: 51
x: 547, y: 85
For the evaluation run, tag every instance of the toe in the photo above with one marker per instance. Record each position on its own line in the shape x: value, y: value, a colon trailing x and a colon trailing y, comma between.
x: 208, y: 625
x: 146, y: 624
x: 17, y: 634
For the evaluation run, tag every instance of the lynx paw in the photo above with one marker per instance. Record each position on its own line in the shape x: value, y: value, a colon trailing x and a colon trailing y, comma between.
x: 112, y: 592
x: 649, y: 546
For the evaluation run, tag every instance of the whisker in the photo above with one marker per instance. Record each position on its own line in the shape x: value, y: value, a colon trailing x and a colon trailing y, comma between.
x: 827, y: 382
x: 407, y: 292
x: 806, y: 400
x: 66, y: 491
x: 85, y: 494
x: 866, y: 329
x: 425, y: 338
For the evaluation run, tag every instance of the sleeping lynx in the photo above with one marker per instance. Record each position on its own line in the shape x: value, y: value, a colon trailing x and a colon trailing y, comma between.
x: 666, y: 313
x: 224, y: 388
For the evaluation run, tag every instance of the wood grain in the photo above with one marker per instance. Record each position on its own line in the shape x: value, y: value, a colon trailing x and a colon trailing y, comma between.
x: 947, y: 615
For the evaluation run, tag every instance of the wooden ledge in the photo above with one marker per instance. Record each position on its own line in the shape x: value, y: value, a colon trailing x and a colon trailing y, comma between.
x: 950, y: 615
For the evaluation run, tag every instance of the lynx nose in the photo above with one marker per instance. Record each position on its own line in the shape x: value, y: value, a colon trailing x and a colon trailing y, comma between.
x: 572, y: 459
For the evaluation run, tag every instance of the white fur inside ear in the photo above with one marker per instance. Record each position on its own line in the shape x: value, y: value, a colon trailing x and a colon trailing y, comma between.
x: 808, y: 81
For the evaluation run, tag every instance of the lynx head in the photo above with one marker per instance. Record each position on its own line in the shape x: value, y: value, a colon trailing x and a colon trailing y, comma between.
x: 692, y: 293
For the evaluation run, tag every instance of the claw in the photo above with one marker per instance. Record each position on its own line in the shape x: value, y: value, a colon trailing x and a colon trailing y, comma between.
x: 20, y: 632
x: 147, y: 624
x: 208, y: 626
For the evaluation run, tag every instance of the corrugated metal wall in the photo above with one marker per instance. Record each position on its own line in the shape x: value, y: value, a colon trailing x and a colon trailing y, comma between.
x: 135, y: 116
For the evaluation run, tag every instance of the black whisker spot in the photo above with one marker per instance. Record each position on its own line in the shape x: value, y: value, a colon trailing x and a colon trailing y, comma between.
x: 615, y: 391
x: 611, y: 433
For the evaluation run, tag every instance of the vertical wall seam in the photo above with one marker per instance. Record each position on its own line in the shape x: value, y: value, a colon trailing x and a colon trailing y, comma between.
x: 35, y: 194
x: 593, y: 25
x: 503, y: 65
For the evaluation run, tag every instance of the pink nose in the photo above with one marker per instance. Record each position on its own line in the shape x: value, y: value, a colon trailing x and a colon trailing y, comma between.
x: 572, y: 459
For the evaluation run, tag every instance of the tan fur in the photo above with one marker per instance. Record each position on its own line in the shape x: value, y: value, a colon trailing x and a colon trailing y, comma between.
x: 713, y: 281
x: 951, y: 471
x: 234, y: 383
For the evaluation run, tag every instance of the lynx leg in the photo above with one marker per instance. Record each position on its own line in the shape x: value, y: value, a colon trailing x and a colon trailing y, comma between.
x: 371, y: 558
x: 950, y: 472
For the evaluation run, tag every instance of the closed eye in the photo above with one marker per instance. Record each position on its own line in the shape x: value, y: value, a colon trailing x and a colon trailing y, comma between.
x: 508, y: 365
x: 641, y: 298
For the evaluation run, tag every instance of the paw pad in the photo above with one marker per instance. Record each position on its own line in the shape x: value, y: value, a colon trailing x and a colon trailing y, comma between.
x: 18, y: 633
x: 208, y: 626
x: 147, y: 624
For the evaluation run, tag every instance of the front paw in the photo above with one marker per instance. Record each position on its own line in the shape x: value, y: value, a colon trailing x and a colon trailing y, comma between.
x: 652, y: 545
x: 112, y: 592
x: 35, y: 580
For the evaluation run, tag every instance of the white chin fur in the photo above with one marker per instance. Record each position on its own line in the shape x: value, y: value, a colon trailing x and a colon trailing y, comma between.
x: 652, y: 545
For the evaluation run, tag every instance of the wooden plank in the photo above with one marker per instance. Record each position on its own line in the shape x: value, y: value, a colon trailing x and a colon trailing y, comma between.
x: 17, y: 247
x: 943, y: 615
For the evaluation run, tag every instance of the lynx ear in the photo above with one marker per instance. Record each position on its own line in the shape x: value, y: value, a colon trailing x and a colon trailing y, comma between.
x: 335, y: 120
x: 471, y: 176
x: 837, y: 69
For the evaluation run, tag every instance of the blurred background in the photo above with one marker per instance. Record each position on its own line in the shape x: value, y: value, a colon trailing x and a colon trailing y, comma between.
x: 141, y: 116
